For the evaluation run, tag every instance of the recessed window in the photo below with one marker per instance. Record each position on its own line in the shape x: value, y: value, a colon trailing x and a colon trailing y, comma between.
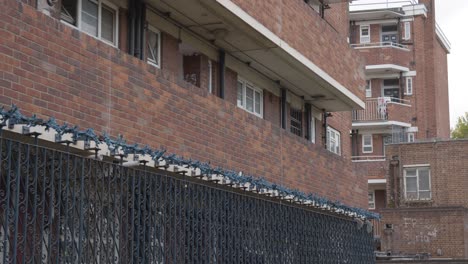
x: 409, y: 85
x: 417, y: 183
x: 249, y: 97
x: 96, y: 18
x: 367, y: 146
x: 333, y: 141
x: 371, y: 198
x: 391, y: 88
x: 368, y: 88
x: 407, y: 34
x: 365, y: 34
x: 410, y: 137
x: 389, y: 34
x: 153, y: 45
x: 296, y: 121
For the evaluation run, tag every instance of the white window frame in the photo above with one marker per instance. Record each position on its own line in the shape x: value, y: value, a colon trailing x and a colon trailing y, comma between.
x: 312, y: 129
x: 150, y: 61
x: 364, y: 145
x: 411, y: 137
x: 407, y: 27
x: 368, y: 88
x: 110, y: 5
x: 417, y: 168
x: 246, y: 84
x: 409, y: 86
x: 371, y: 202
x: 337, y: 139
x: 364, y: 39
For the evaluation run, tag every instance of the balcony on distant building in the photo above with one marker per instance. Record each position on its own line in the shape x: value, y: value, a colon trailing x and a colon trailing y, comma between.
x: 384, y: 110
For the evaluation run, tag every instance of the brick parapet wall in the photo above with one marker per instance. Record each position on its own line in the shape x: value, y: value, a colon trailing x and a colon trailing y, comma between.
x: 387, y: 55
x: 318, y: 41
x: 51, y: 69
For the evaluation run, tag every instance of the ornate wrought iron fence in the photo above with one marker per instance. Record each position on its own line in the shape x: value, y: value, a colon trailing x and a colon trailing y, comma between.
x: 57, y: 207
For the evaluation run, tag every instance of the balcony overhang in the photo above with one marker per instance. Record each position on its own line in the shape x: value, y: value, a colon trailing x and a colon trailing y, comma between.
x: 377, y: 184
x: 224, y: 25
x: 382, y: 69
x: 365, y: 15
x: 384, y: 125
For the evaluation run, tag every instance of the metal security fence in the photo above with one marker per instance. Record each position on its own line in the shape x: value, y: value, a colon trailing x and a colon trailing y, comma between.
x: 58, y: 207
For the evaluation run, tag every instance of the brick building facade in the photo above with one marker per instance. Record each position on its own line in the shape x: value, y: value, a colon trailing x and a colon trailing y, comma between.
x: 434, y: 222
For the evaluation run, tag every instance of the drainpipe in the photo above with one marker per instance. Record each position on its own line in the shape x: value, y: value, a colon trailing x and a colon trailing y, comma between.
x: 222, y: 72
x: 283, y: 108
x: 308, y: 109
x: 131, y: 26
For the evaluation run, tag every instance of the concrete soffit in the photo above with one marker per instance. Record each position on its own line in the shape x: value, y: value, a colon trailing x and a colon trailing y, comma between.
x: 297, y: 60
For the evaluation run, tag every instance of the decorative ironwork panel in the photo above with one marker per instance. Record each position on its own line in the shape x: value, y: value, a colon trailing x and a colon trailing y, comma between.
x: 57, y: 207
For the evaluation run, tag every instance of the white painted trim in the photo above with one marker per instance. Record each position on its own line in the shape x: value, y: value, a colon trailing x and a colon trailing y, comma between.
x: 244, y: 16
x: 416, y: 165
x: 383, y: 123
x: 371, y: 143
x: 407, y: 84
x: 408, y: 19
x: 255, y: 88
x: 409, y: 74
x: 443, y: 39
x: 417, y: 182
x: 157, y: 31
x: 415, y: 10
x: 365, y: 39
x: 407, y: 30
x: 373, y: 199
x: 387, y: 66
x: 376, y: 181
x: 378, y: 21
x: 412, y: 129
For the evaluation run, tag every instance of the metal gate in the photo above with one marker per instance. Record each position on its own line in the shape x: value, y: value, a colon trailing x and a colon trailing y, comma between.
x: 57, y: 207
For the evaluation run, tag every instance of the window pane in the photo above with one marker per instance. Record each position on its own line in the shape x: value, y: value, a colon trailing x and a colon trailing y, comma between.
x: 257, y: 102
x: 249, y: 99
x: 424, y: 180
x: 411, y: 184
x: 153, y: 47
x: 410, y: 172
x: 68, y: 12
x: 240, y: 94
x: 89, y: 17
x: 107, y: 23
x: 425, y: 195
x: 411, y: 195
x: 367, y: 140
x: 365, y: 31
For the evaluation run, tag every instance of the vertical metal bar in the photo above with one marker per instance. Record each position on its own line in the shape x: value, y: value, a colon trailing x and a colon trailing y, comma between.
x: 16, y: 205
x: 81, y: 214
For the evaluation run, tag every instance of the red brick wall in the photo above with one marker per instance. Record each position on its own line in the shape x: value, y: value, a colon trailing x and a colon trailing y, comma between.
x: 426, y: 231
x: 372, y: 169
x: 387, y: 55
x: 335, y: 56
x: 50, y: 69
x: 441, y: 86
x: 338, y: 17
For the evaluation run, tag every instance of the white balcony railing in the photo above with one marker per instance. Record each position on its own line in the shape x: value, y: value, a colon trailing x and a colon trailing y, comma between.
x: 376, y: 108
x: 380, y: 4
x: 384, y: 44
